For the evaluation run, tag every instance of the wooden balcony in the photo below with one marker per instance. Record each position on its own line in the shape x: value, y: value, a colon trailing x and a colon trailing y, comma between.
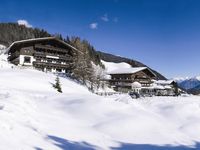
x: 141, y: 80
x: 48, y: 47
x: 128, y: 82
x: 54, y: 65
x: 40, y: 54
x: 122, y: 80
x: 122, y: 84
x: 67, y: 58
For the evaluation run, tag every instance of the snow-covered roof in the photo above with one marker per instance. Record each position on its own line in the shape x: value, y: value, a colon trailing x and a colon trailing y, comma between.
x: 159, y: 87
x: 122, y: 68
x: 110, y: 66
x: 45, y: 38
x: 167, y: 87
x: 164, y: 82
x: 136, y: 85
x: 127, y: 70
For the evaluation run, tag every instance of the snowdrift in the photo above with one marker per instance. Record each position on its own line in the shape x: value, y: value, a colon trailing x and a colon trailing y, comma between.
x: 34, y: 116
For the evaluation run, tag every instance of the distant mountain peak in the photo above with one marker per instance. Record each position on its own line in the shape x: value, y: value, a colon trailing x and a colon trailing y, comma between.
x: 190, y: 84
x: 197, y: 77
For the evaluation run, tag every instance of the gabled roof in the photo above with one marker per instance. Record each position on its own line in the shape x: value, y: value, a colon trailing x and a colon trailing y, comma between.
x: 130, y: 70
x: 41, y: 39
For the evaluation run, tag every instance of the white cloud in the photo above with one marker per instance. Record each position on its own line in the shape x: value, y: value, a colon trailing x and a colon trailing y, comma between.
x: 24, y: 22
x: 94, y: 25
x: 105, y: 18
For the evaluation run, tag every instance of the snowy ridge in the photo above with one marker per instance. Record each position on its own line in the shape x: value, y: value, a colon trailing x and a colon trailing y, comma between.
x: 181, y: 79
x: 188, y: 83
x: 197, y: 77
x: 35, y: 116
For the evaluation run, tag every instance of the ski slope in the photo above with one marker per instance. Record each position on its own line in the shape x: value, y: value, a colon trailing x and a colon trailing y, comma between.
x: 34, y: 116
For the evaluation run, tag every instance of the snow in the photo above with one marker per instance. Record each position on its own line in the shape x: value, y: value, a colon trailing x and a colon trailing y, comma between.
x: 197, y: 78
x: 100, y: 74
x: 163, y: 82
x: 2, y: 46
x: 136, y: 85
x: 35, y: 116
x: 111, y: 66
x: 181, y: 79
x: 189, y: 83
x: 3, y: 61
x: 118, y: 68
x: 121, y: 68
x: 127, y: 70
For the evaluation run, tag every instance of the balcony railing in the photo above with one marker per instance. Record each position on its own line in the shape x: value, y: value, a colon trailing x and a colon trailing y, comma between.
x: 47, y: 47
x: 53, y: 64
x: 63, y: 57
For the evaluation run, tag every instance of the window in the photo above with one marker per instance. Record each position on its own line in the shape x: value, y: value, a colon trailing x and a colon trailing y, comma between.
x: 49, y: 61
x: 27, y: 59
x: 58, y: 70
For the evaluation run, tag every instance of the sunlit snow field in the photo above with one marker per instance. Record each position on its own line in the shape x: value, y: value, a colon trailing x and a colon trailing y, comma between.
x: 34, y: 116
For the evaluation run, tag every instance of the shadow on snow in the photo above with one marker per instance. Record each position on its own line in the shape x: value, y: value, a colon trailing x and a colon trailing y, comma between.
x: 155, y: 147
x: 69, y: 145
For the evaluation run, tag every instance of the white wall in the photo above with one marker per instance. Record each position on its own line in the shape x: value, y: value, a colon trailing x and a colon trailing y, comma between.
x: 21, y: 60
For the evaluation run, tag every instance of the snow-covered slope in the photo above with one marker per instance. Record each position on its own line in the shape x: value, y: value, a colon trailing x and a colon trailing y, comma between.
x: 2, y: 48
x: 34, y: 116
x: 3, y: 62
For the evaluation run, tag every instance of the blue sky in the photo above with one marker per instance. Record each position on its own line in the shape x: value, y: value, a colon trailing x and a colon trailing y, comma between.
x: 164, y: 34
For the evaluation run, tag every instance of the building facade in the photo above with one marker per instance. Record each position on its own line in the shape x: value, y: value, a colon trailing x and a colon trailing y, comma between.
x: 165, y: 87
x: 125, y: 80
x: 46, y: 54
x: 141, y: 81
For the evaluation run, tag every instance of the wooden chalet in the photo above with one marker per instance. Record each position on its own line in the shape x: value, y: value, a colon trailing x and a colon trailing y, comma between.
x: 165, y: 87
x: 46, y: 54
x: 122, y: 79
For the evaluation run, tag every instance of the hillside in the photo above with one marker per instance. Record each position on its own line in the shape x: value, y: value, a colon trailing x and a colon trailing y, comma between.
x: 195, y: 90
x: 34, y: 116
x: 10, y: 32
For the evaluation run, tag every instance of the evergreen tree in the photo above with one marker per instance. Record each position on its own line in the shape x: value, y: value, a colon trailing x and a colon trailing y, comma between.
x: 57, y: 85
x: 176, y: 92
x: 10, y: 32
